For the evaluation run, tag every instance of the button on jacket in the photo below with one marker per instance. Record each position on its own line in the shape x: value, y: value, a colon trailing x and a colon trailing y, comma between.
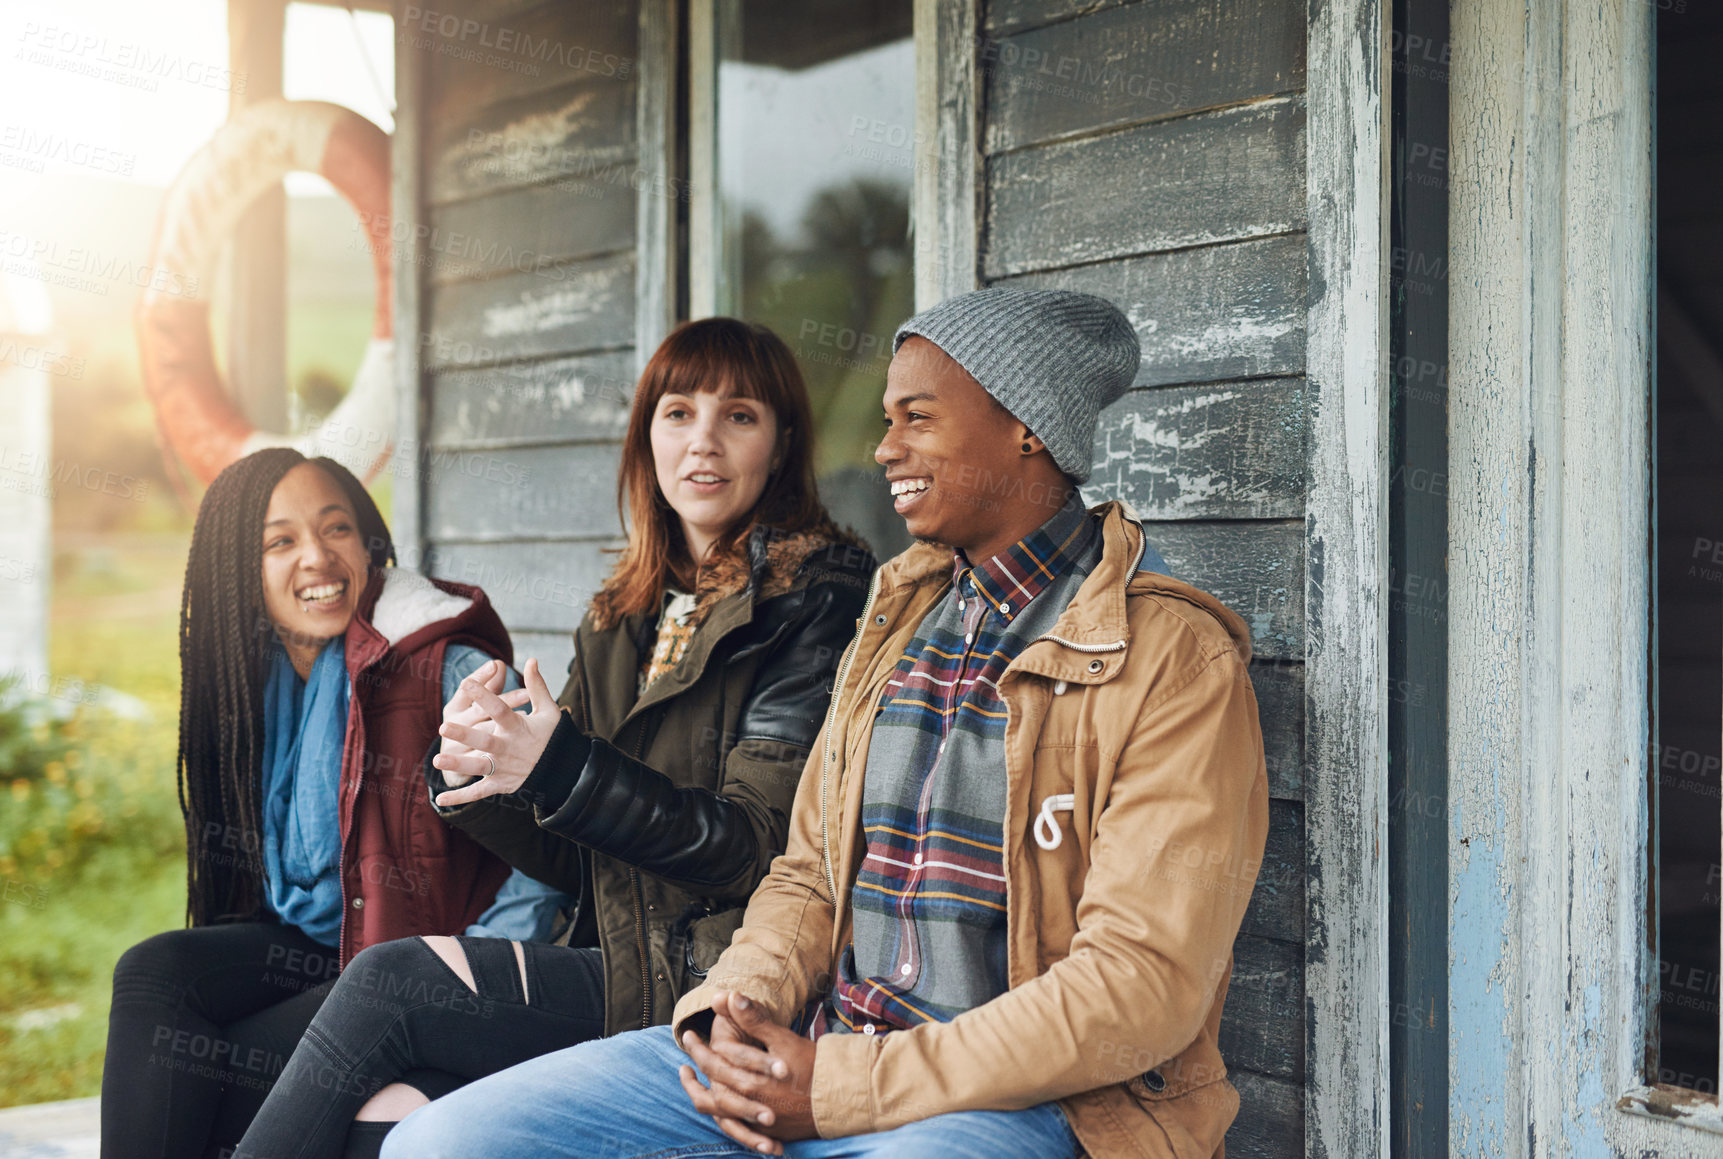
x: 1135, y: 819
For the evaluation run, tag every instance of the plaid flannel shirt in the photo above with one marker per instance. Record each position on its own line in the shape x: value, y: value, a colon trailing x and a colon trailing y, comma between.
x: 929, y: 900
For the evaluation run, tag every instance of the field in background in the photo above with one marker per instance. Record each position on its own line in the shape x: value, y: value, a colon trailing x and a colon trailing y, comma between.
x: 95, y: 850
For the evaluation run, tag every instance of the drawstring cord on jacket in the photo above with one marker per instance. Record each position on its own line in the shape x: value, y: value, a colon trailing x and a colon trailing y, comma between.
x: 1053, y: 836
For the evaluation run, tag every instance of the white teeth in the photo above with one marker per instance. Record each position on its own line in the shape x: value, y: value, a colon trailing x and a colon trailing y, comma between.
x: 321, y: 591
x: 705, y: 478
x: 909, y: 486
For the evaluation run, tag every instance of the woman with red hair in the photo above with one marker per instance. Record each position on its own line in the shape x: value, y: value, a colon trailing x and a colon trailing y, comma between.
x: 655, y: 789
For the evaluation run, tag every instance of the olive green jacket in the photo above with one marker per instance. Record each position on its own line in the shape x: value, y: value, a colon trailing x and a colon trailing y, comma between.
x: 710, y: 754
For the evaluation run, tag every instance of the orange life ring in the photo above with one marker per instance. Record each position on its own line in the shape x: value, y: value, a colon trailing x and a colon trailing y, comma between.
x: 247, y: 156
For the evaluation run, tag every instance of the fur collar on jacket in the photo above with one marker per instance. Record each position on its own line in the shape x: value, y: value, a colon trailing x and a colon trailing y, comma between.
x: 409, y: 602
x: 772, y: 564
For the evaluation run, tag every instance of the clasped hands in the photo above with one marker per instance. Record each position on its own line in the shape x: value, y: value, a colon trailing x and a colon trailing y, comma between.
x: 488, y: 748
x: 760, y: 1076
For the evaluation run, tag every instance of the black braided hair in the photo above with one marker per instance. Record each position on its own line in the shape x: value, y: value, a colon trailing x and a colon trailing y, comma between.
x: 224, y: 633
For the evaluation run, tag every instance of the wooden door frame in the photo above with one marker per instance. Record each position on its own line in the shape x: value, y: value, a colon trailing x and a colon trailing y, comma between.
x: 1554, y: 979
x: 1346, y: 674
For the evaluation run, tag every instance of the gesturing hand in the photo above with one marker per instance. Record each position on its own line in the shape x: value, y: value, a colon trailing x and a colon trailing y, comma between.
x: 761, y: 1076
x: 486, y: 738
x: 461, y: 710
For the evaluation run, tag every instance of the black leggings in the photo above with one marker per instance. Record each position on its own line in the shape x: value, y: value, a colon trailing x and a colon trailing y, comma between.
x: 399, y: 1013
x: 201, y: 1023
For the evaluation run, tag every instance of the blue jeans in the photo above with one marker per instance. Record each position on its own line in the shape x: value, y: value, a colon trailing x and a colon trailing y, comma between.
x: 619, y: 1098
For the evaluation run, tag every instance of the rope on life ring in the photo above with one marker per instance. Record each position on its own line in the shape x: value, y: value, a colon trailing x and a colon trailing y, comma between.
x: 248, y: 156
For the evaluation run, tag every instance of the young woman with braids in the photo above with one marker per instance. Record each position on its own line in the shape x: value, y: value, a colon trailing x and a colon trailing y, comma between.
x: 658, y: 784
x: 313, y: 678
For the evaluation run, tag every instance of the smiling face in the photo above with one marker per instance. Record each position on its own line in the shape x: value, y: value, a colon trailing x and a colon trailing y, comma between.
x: 712, y: 456
x: 955, y: 458
x: 314, y: 562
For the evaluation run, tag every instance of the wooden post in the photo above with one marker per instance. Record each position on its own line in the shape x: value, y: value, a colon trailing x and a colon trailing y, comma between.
x: 705, y: 226
x: 1346, y: 681
x: 257, y: 301
x: 947, y: 160
x: 406, y: 205
x: 656, y: 279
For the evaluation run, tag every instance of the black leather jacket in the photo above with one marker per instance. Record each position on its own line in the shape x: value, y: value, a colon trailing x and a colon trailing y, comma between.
x: 661, y: 812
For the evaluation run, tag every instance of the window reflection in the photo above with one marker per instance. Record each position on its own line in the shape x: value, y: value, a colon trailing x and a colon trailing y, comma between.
x: 815, y: 134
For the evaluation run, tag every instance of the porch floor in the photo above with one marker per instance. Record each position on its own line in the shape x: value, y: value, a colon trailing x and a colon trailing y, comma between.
x: 68, y: 1130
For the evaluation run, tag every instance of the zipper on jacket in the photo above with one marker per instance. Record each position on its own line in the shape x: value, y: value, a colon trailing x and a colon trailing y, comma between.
x: 831, y: 716
x: 640, y: 917
x: 640, y: 942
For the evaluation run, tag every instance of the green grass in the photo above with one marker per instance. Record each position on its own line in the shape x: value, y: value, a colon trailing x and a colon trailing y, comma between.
x: 93, y: 854
x: 59, y: 956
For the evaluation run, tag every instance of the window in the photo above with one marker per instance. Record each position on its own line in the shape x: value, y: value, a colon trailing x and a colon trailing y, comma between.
x: 1688, y: 530
x: 802, y: 154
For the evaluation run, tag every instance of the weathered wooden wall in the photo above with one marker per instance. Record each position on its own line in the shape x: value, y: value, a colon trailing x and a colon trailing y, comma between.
x: 1553, y: 982
x: 525, y: 133
x: 1154, y: 152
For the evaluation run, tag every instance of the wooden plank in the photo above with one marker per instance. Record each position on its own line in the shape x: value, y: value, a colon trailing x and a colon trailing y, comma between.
x: 523, y: 493
x: 1231, y: 311
x: 1138, y: 63
x: 799, y: 34
x: 705, y: 221
x: 68, y: 1129
x: 583, y: 397
x: 1233, y: 450
x: 658, y: 266
x: 1346, y: 734
x: 1488, y: 346
x: 1417, y: 623
x: 1277, y: 900
x: 1254, y: 568
x: 475, y: 62
x: 535, y: 586
x: 585, y: 306
x: 1007, y: 16
x: 1198, y: 180
x: 528, y: 230
x: 1262, y: 1029
x: 554, y: 651
x: 582, y: 130
x: 1270, y: 1123
x: 494, y: 10
x: 947, y: 159
x: 1280, y: 703
x: 406, y: 203
x: 256, y: 348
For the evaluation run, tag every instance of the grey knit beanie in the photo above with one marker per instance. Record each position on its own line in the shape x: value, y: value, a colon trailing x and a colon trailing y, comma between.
x: 1053, y: 358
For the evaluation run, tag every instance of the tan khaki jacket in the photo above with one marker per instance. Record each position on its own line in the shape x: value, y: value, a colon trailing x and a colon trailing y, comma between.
x: 1135, y: 714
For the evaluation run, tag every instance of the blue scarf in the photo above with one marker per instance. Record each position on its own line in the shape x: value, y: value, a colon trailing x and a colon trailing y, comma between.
x: 304, y: 732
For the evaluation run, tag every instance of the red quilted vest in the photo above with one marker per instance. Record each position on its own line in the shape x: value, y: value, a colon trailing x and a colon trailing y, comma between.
x: 403, y: 871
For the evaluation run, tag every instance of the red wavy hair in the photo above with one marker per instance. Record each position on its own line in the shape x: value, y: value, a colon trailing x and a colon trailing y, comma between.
x: 727, y: 357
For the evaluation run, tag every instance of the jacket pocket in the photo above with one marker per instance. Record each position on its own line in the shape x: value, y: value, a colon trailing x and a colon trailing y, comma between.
x: 1193, y: 1110
x: 696, y: 941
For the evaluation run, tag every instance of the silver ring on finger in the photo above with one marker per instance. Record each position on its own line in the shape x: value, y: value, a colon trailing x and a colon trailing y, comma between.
x: 493, y: 769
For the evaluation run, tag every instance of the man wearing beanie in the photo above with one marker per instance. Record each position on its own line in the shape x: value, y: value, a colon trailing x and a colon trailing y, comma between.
x: 1023, y: 846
